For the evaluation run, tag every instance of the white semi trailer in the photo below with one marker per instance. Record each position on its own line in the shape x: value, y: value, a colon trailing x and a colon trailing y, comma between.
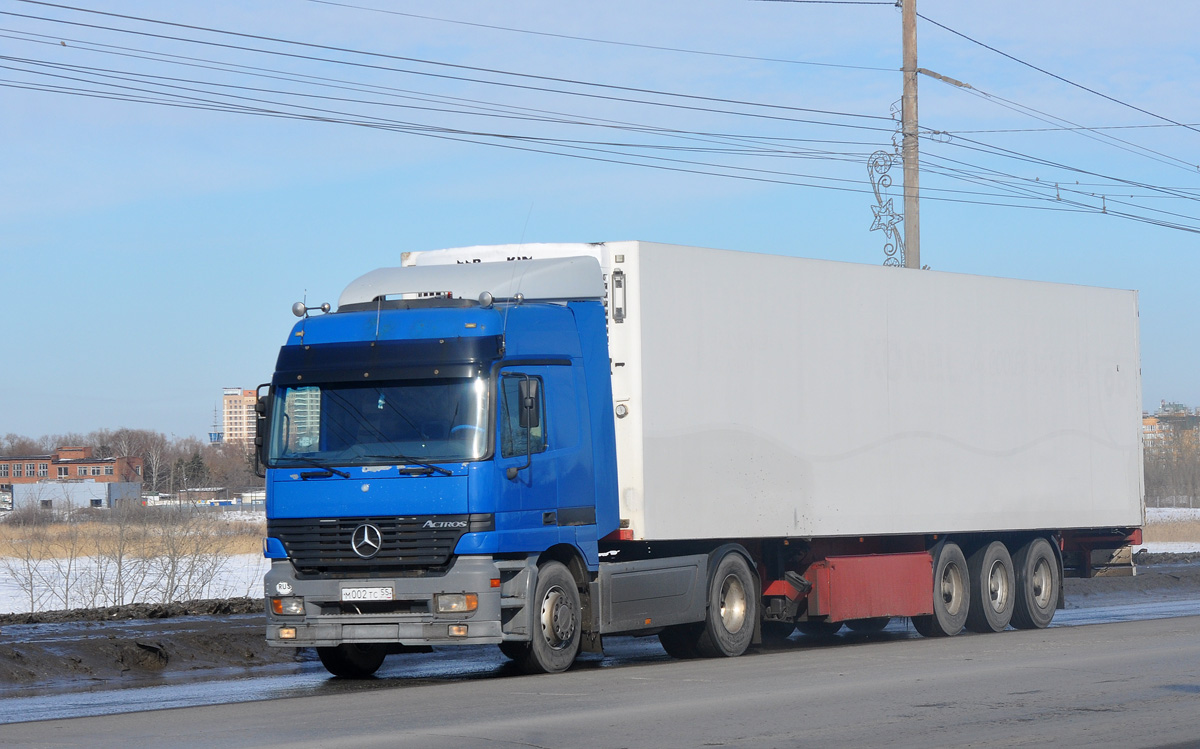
x: 718, y: 446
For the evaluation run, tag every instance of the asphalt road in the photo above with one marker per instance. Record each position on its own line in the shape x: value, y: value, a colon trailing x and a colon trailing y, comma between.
x: 1133, y: 684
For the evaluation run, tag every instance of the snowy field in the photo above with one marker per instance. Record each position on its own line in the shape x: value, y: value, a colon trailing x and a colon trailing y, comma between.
x: 241, y: 575
x: 1166, y: 516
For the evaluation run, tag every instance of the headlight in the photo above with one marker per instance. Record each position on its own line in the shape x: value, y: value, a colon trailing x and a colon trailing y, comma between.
x: 288, y: 606
x: 456, y: 603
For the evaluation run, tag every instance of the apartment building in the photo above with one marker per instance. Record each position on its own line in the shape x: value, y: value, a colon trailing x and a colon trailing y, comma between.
x: 239, y: 418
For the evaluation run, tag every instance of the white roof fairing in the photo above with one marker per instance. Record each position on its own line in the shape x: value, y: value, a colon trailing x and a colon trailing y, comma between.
x: 553, y: 280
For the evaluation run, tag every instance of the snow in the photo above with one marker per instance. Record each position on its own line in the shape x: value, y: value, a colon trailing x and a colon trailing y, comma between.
x: 1156, y: 515
x: 237, y: 575
x: 1169, y: 547
x: 241, y: 575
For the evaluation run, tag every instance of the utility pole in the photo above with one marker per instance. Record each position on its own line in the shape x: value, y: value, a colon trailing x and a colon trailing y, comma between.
x: 908, y: 150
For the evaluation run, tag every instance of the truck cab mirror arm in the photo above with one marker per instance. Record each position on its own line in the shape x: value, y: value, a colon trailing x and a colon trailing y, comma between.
x: 530, y: 411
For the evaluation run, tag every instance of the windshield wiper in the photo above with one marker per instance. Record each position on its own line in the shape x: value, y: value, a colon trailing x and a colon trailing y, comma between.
x: 404, y: 458
x: 317, y: 464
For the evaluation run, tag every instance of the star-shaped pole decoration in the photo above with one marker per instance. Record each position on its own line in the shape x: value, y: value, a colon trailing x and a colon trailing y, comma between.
x: 885, y: 217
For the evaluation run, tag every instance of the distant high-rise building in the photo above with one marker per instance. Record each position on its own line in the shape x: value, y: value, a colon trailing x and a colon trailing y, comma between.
x: 239, y: 416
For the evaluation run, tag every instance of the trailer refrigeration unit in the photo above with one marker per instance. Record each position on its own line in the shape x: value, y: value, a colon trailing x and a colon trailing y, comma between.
x: 535, y: 446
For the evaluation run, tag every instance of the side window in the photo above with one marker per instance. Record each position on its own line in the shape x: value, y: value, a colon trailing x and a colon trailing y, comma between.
x: 512, y: 436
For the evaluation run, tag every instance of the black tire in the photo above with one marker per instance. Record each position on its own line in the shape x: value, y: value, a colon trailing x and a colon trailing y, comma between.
x: 732, y: 609
x: 514, y: 650
x: 352, y: 660
x: 680, y: 640
x: 1038, y: 583
x: 556, y: 622
x: 819, y: 628
x: 951, y: 594
x: 993, y: 589
x: 776, y: 632
x: 868, y: 626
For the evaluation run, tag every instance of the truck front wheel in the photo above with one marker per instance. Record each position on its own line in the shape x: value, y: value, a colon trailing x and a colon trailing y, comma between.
x: 951, y: 594
x: 556, y: 625
x: 352, y: 660
x: 1037, y: 585
x: 732, y: 609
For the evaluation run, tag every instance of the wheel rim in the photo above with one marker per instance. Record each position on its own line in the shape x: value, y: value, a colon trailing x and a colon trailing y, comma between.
x: 952, y: 589
x: 1042, y: 583
x: 733, y: 604
x: 999, y: 586
x: 558, y: 619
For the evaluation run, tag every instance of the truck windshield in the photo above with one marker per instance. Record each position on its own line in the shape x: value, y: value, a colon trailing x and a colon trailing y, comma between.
x: 438, y: 420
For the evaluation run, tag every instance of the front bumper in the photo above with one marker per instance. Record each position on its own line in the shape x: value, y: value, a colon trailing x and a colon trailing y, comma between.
x: 328, y: 622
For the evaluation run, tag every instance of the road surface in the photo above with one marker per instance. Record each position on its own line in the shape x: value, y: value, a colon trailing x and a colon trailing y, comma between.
x: 1132, y: 683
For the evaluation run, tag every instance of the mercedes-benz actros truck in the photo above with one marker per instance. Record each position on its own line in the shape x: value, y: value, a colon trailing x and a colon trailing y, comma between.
x: 539, y: 446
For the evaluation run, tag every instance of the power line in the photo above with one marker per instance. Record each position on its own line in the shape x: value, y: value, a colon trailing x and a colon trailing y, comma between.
x: 1061, y: 129
x: 1087, y: 132
x: 596, y: 150
x: 331, y: 48
x: 594, y: 40
x: 471, y: 136
x: 833, y: 2
x: 1055, y: 76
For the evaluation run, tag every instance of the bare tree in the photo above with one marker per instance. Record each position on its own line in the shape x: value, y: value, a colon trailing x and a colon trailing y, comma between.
x: 1172, y: 467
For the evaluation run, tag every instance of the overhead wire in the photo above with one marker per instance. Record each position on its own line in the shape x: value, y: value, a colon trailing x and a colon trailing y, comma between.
x: 1058, y: 77
x: 1012, y: 190
x: 595, y: 40
x: 782, y: 143
x: 402, y: 58
x: 1076, y: 128
x: 452, y: 134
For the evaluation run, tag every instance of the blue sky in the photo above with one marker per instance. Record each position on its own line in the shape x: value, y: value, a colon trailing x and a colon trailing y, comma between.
x: 151, y: 253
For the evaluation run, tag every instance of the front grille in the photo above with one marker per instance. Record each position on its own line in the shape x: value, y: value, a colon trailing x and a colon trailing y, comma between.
x: 410, y: 543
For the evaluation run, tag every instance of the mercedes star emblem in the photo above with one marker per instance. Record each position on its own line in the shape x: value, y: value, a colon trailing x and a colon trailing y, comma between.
x: 366, y: 540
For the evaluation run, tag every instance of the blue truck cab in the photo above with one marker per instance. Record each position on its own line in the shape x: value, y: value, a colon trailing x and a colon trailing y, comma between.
x: 441, y: 465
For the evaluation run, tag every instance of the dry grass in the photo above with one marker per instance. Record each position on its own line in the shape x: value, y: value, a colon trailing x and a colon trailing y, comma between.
x: 143, y: 540
x: 1186, y: 531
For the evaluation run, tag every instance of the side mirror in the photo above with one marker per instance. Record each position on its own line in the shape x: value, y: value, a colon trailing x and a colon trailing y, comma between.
x: 262, y: 408
x: 529, y: 417
x: 531, y: 406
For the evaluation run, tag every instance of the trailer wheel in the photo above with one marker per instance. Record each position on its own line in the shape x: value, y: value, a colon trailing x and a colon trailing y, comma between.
x: 556, y: 627
x: 993, y: 587
x: 680, y: 640
x: 1037, y: 585
x: 819, y: 628
x: 352, y: 660
x: 869, y: 626
x: 951, y: 594
x: 732, y: 609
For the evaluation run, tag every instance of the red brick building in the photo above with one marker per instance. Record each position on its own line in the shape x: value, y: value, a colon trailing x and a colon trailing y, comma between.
x: 67, y: 463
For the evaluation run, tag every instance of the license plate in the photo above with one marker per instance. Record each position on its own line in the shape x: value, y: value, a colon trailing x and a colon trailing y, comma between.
x: 368, y: 594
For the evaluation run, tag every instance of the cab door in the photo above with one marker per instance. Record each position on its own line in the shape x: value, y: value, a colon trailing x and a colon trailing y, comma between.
x: 542, y: 458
